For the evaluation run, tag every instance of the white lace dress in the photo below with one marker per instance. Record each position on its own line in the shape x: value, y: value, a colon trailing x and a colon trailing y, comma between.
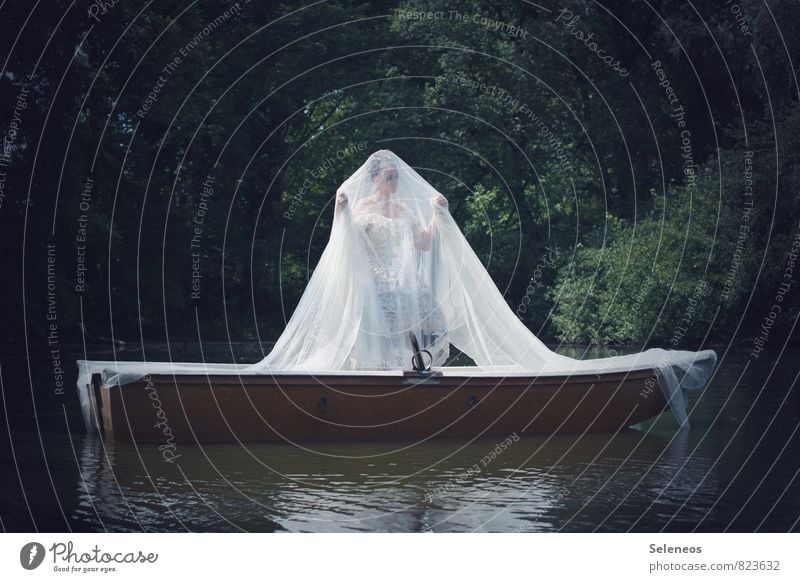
x: 403, y: 290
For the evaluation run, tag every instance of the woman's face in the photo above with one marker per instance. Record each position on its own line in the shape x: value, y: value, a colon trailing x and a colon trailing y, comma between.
x: 386, y: 180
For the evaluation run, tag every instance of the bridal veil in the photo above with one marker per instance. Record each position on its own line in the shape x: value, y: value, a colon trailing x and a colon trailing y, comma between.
x: 397, y: 264
x: 440, y: 292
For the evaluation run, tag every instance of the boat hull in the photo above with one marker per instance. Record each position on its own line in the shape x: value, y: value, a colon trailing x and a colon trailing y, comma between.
x: 166, y: 408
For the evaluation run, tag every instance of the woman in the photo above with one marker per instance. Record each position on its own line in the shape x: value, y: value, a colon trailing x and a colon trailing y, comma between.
x: 392, y: 237
x: 384, y: 174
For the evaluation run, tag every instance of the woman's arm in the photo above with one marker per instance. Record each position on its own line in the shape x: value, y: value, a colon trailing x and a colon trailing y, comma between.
x: 341, y: 202
x: 424, y: 237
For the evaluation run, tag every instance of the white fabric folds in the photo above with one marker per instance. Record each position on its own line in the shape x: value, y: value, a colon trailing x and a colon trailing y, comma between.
x: 396, y: 262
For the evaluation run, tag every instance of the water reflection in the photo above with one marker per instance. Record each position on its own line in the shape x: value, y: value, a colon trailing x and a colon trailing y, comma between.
x: 570, y: 483
x: 737, y: 469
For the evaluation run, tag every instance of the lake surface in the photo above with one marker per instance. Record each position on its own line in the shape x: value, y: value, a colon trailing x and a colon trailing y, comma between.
x: 736, y: 469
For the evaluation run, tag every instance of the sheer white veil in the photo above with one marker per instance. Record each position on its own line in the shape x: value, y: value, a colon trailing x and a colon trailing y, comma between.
x: 373, y: 284
x: 396, y: 262
x: 444, y: 293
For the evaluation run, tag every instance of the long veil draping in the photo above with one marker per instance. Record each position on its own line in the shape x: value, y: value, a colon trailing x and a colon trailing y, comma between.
x: 397, y: 262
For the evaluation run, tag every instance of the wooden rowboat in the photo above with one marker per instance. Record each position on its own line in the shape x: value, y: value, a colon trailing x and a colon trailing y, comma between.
x: 172, y: 408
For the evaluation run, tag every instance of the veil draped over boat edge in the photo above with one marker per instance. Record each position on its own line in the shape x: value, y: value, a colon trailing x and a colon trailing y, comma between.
x: 339, y: 323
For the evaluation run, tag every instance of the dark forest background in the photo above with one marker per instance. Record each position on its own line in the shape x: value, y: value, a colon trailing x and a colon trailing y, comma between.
x: 594, y: 216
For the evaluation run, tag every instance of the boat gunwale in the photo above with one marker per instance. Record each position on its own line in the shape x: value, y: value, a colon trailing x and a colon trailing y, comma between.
x: 254, y: 380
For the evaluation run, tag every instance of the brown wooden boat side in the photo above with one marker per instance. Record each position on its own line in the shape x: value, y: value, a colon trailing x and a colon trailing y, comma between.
x: 167, y: 408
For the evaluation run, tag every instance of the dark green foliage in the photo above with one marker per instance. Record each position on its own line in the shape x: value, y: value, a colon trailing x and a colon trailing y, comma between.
x: 591, y: 165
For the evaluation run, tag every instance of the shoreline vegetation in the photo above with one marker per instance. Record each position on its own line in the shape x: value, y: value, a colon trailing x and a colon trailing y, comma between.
x: 669, y: 194
x: 122, y: 346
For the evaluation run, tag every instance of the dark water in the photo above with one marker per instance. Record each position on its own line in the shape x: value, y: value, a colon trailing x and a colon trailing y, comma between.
x: 737, y: 469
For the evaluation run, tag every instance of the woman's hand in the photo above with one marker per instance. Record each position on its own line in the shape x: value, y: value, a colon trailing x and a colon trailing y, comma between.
x: 341, y: 203
x: 440, y: 201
